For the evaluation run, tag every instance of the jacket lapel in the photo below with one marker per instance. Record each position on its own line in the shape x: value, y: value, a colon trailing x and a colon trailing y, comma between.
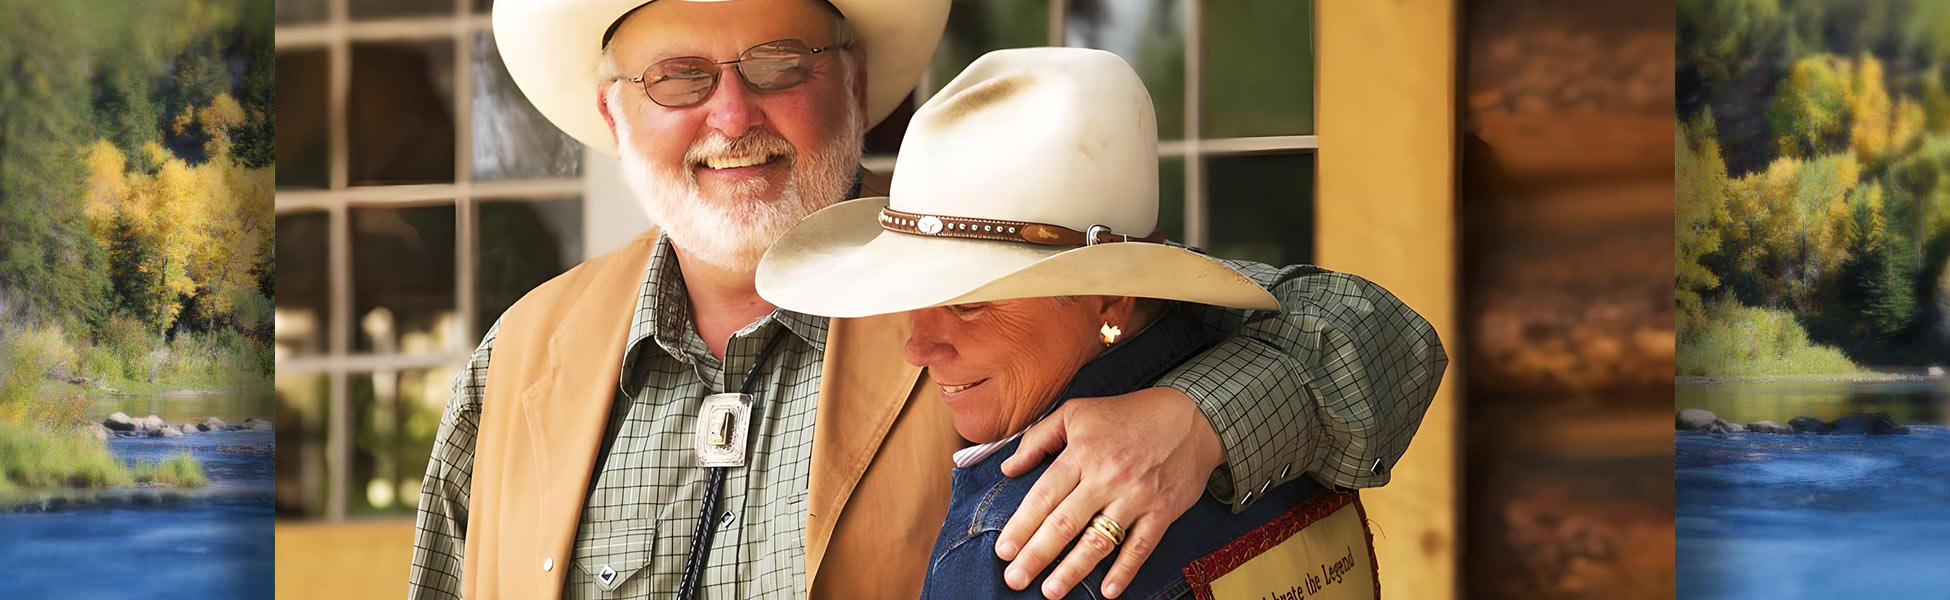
x: 863, y: 387
x: 567, y: 408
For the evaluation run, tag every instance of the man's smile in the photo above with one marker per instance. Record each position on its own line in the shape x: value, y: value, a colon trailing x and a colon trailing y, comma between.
x: 719, y: 163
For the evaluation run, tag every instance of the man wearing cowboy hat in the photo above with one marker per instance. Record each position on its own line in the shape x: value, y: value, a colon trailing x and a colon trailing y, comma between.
x: 648, y: 423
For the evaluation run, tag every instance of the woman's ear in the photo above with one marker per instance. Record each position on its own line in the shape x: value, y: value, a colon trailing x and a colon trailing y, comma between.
x: 1117, y: 310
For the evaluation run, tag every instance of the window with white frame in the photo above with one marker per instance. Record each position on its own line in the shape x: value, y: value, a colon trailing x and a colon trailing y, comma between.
x: 419, y: 194
x: 419, y: 197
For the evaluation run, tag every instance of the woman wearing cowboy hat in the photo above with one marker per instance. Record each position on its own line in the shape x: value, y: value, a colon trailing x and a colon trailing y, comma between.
x: 1019, y: 238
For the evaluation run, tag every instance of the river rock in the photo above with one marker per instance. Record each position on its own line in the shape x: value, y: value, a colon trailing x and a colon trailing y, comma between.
x: 154, y: 422
x: 1768, y: 427
x: 1868, y: 424
x: 1722, y: 426
x: 95, y: 431
x: 256, y: 424
x: 1808, y: 424
x: 119, y: 422
x: 212, y: 424
x: 1693, y: 419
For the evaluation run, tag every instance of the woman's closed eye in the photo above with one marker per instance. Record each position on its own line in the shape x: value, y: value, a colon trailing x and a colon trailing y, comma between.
x: 970, y: 310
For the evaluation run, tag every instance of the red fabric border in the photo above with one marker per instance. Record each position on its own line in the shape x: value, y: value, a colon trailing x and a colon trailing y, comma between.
x: 1202, y: 572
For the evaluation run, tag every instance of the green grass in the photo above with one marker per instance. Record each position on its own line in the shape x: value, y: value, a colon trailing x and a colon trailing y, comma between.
x: 27, y: 354
x: 1744, y: 341
x: 181, y: 471
x: 36, y: 457
x: 126, y: 357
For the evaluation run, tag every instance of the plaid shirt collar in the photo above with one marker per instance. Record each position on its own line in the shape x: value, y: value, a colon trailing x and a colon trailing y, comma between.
x: 662, y: 319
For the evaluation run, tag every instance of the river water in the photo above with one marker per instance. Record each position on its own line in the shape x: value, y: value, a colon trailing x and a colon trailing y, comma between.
x: 215, y: 542
x: 1814, y: 516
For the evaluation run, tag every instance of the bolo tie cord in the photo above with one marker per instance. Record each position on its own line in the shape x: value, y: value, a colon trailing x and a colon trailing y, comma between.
x: 713, y: 485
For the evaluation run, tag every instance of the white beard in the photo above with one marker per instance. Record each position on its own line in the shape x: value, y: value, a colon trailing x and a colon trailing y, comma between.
x: 732, y: 232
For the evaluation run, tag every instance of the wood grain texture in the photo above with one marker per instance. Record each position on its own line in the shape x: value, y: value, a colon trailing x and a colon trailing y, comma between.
x: 1386, y: 211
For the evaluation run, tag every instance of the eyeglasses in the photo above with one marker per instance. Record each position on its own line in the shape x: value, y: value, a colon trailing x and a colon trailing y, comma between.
x: 767, y: 67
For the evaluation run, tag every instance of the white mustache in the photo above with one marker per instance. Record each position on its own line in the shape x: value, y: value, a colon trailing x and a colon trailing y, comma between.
x: 752, y: 148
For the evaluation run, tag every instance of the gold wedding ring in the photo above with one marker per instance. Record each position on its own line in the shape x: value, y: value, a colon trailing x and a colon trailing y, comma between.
x: 1108, y: 528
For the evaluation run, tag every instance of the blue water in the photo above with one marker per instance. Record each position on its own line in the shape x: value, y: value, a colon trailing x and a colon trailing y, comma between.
x: 1813, y: 516
x: 215, y: 544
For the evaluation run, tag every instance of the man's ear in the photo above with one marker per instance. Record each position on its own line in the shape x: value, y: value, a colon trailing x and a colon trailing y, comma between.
x: 602, y: 106
x: 860, y: 78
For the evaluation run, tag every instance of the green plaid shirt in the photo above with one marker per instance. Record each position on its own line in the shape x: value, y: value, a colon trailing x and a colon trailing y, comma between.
x: 1334, y: 388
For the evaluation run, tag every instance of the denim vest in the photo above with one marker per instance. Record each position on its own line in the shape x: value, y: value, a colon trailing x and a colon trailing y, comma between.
x: 964, y: 565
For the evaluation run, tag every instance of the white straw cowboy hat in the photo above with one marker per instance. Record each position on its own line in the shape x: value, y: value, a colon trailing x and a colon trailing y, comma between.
x: 553, y: 47
x: 1002, y: 177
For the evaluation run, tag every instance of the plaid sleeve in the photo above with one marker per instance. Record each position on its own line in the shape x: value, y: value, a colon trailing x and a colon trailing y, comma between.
x: 1333, y: 385
x: 440, y: 527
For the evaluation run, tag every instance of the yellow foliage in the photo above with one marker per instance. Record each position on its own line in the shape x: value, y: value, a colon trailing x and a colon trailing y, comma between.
x: 223, y: 112
x: 1869, y: 110
x: 184, y: 120
x: 107, y: 187
x: 209, y: 224
x: 222, y: 115
x: 1911, y: 121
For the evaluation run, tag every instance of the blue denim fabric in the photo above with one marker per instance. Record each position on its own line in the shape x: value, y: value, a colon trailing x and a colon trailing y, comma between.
x: 963, y: 564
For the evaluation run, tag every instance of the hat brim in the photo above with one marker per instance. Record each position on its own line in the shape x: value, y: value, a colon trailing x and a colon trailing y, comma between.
x: 839, y: 262
x: 552, y: 49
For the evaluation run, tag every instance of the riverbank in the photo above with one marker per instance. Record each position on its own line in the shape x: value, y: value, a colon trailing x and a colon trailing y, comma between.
x: 1863, y: 377
x: 1907, y: 399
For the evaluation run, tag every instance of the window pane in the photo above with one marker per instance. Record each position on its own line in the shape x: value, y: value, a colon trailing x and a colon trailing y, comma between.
x: 303, y: 310
x: 396, y: 414
x: 380, y: 9
x: 403, y: 280
x: 1259, y: 68
x: 1146, y: 33
x: 1171, y: 199
x: 511, y: 138
x: 300, y: 144
x: 402, y: 113
x: 297, y: 12
x: 978, y: 26
x: 522, y: 244
x: 1261, y: 207
x: 301, y: 458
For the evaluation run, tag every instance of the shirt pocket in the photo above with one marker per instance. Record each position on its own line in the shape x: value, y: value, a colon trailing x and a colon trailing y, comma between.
x: 611, y: 553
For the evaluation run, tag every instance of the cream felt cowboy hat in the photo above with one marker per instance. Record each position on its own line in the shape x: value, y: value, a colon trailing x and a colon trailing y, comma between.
x: 553, y: 47
x: 1034, y: 173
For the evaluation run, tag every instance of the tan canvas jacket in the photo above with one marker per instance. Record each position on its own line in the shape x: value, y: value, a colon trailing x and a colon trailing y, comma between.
x: 881, y: 452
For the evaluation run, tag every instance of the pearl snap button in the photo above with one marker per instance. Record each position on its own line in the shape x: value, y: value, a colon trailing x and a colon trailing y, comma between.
x: 548, y: 564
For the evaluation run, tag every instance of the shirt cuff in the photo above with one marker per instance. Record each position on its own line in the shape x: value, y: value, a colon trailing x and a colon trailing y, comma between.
x: 1252, y: 395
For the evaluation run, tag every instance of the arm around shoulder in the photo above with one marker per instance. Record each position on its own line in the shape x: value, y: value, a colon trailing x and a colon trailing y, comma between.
x: 1333, y: 385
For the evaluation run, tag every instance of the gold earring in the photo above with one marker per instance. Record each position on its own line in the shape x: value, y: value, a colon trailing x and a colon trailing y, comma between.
x: 1109, y: 333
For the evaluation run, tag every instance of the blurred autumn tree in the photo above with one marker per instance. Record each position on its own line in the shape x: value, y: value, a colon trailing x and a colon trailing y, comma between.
x: 1813, y: 174
x: 148, y: 201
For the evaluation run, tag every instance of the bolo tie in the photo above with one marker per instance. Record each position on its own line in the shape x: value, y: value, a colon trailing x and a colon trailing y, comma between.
x: 722, y: 426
